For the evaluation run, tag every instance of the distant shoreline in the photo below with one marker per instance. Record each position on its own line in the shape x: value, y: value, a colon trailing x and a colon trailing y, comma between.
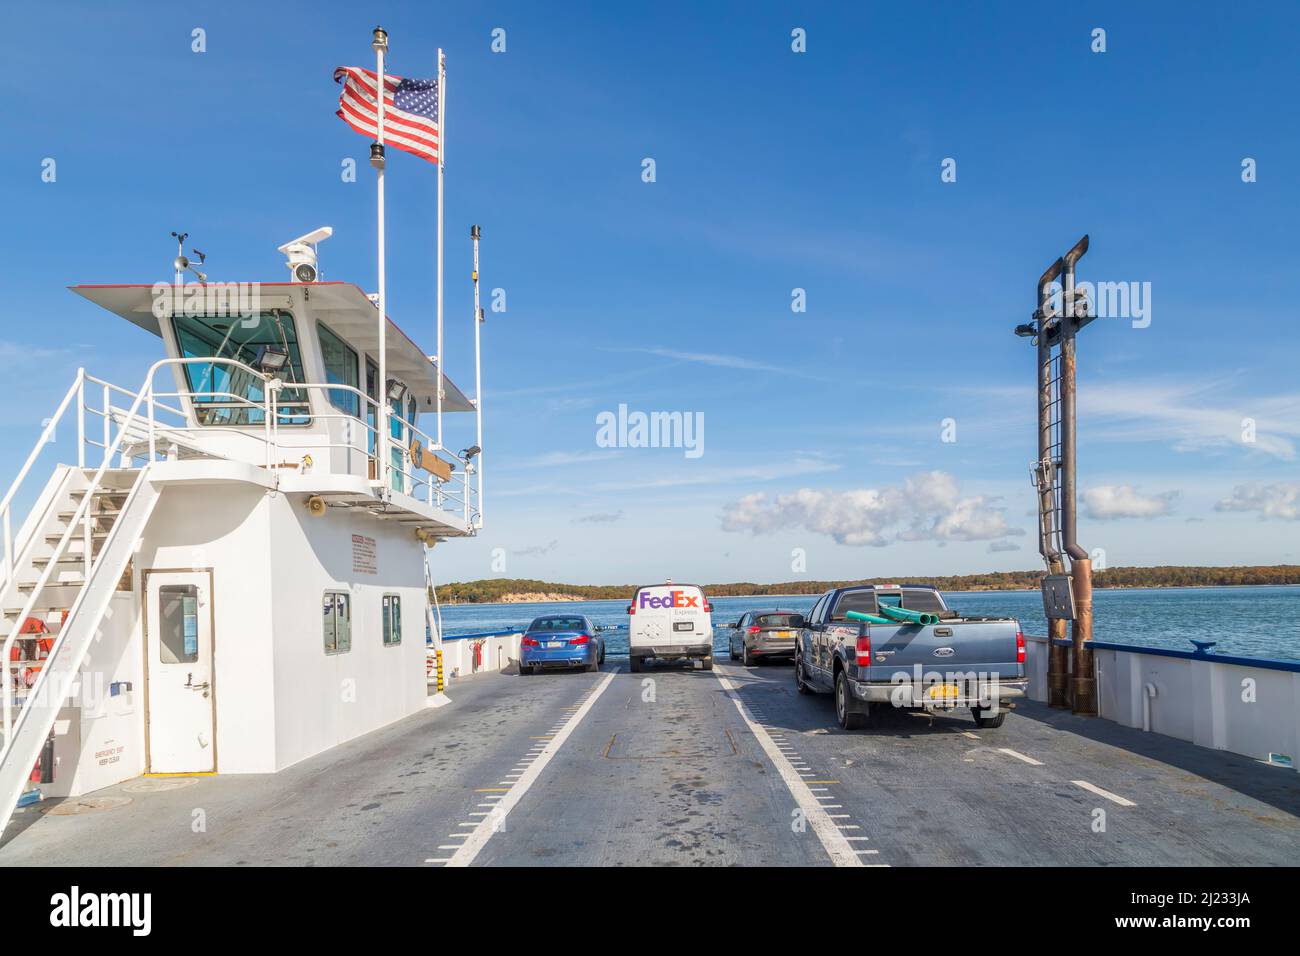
x: 561, y: 597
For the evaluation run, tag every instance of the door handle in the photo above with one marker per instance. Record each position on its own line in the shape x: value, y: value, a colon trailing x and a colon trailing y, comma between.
x: 203, y: 686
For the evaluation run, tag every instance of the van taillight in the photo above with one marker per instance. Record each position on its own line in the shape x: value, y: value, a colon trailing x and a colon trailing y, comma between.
x: 864, y: 650
x: 708, y: 608
x: 1020, y: 644
x: 631, y: 609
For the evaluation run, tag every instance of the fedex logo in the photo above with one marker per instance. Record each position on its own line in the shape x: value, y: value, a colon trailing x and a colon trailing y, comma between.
x: 673, y: 599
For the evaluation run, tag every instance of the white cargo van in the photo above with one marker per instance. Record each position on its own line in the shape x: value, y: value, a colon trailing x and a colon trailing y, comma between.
x: 668, y: 621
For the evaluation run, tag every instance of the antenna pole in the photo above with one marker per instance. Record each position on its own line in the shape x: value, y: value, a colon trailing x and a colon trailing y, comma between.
x: 382, y: 440
x: 474, y: 234
x: 442, y: 157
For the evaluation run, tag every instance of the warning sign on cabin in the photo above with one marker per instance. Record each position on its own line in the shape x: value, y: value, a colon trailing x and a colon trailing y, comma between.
x: 364, y: 560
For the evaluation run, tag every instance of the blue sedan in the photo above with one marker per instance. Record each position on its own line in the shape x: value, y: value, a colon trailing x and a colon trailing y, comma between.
x: 561, y: 641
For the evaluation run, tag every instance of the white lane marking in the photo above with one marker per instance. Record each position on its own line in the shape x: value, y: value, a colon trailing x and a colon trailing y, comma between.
x: 1019, y: 756
x: 486, y: 827
x: 448, y: 846
x: 857, y: 838
x: 866, y: 852
x: 967, y: 733
x: 454, y: 836
x: 438, y: 859
x: 838, y: 848
x: 1093, y: 788
x: 848, y: 826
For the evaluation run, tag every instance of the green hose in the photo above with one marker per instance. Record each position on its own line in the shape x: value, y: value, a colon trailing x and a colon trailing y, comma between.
x: 904, y: 616
x: 869, y: 618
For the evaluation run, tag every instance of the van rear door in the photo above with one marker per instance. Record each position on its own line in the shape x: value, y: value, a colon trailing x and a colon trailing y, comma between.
x: 670, y: 615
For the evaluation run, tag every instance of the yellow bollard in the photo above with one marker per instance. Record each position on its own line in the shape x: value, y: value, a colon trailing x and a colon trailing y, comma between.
x: 441, y: 684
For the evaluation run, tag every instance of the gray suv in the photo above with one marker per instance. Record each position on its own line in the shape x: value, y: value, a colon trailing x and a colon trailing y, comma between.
x: 764, y: 635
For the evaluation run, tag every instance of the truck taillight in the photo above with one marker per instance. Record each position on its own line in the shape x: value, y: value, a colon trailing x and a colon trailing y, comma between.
x: 1020, y: 644
x: 864, y: 650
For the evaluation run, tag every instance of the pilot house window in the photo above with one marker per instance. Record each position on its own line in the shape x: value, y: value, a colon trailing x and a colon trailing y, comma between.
x: 341, y: 368
x: 226, y: 394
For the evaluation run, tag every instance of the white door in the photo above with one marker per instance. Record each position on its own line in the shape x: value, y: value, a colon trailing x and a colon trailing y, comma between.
x: 179, y: 642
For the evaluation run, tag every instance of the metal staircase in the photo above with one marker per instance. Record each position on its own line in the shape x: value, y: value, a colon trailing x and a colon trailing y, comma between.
x: 58, y: 576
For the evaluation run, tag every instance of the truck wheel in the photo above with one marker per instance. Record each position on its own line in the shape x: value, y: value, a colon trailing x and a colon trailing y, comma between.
x: 708, y: 663
x: 982, y: 721
x: 849, y: 718
x: 634, y: 664
x: 747, y: 658
x: 799, y: 684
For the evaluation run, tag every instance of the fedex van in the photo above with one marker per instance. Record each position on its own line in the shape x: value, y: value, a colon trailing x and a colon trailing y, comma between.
x: 668, y: 621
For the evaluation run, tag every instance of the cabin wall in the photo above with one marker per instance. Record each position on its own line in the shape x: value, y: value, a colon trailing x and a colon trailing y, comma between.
x: 325, y: 699
x: 224, y: 527
x: 99, y: 738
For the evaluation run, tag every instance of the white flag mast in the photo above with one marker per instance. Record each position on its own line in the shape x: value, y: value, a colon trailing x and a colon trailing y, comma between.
x: 442, y: 159
x: 380, y: 45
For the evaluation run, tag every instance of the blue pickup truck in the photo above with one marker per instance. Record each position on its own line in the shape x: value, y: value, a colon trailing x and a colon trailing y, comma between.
x: 957, y: 662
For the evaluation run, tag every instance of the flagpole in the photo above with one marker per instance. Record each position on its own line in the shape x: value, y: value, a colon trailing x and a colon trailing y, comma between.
x: 442, y: 158
x: 380, y: 45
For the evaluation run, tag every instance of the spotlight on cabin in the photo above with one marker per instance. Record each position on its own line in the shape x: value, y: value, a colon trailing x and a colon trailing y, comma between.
x: 470, y: 453
x: 1026, y: 331
x: 396, y: 390
x: 270, y: 359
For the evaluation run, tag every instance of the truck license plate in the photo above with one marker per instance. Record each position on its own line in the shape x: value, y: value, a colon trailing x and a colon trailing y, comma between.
x: 944, y: 692
x: 683, y: 625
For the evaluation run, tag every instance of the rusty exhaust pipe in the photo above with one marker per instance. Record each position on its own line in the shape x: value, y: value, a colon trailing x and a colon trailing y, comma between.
x: 1083, y: 699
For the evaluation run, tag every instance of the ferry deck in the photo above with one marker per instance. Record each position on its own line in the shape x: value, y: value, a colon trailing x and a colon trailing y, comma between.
x: 730, y: 767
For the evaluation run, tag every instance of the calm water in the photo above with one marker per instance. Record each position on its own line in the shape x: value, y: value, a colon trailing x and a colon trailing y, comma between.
x: 1247, y: 621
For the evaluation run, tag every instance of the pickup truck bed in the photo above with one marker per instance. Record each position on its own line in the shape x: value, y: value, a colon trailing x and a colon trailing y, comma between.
x: 960, y: 662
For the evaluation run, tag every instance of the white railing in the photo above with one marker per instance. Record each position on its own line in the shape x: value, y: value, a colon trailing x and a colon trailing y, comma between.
x: 158, y: 418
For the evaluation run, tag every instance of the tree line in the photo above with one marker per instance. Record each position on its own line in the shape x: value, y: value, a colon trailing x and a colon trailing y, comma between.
x: 494, y: 590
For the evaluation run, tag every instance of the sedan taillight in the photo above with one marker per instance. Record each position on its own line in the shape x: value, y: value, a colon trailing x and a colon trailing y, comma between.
x: 581, y: 639
x: 529, y: 642
x: 754, y: 629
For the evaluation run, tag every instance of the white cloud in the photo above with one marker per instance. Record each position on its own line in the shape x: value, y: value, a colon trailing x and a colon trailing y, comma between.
x: 1108, y: 502
x: 1281, y: 499
x: 927, y: 507
x: 1193, y: 417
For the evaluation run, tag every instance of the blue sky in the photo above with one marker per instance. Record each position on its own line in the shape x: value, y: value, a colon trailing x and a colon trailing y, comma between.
x: 774, y: 171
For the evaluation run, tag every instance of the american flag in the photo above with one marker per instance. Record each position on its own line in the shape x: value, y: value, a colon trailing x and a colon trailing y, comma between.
x: 410, y: 109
